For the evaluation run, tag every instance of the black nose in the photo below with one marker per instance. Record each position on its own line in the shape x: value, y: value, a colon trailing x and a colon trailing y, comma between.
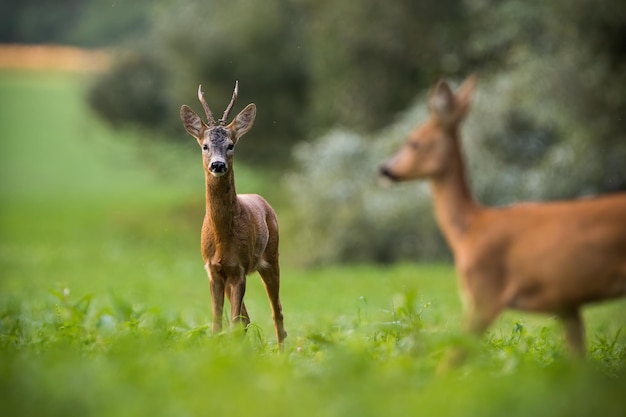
x: 218, y: 167
x: 386, y: 172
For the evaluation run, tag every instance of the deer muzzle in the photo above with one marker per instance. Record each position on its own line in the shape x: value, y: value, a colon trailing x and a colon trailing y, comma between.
x: 387, y: 174
x: 218, y: 168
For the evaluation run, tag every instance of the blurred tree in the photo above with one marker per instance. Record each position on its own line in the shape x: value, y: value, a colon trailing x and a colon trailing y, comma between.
x: 214, y: 43
x: 567, y: 64
x: 75, y: 22
x: 106, y: 22
x: 369, y: 57
x: 35, y: 21
x: 308, y: 65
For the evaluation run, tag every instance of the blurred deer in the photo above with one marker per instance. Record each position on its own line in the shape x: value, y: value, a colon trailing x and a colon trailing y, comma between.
x: 544, y: 257
x: 240, y: 232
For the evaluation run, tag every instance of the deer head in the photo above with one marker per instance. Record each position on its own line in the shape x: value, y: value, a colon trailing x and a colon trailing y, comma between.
x: 428, y: 149
x: 217, y: 140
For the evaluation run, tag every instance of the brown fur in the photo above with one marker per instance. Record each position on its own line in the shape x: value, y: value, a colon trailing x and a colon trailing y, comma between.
x: 240, y: 232
x: 543, y: 257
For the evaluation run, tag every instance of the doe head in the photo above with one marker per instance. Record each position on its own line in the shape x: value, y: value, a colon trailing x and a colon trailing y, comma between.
x: 428, y: 149
x: 217, y: 140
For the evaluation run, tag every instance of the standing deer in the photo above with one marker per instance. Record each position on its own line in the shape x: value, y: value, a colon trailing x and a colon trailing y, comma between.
x: 240, y: 232
x: 545, y: 257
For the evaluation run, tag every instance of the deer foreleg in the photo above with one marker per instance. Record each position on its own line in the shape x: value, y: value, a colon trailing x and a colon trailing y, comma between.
x: 236, y: 290
x: 217, y: 299
x: 477, y: 320
x: 244, y: 312
x: 574, y: 331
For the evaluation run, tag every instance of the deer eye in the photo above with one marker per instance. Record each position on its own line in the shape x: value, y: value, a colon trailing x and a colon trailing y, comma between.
x: 205, y: 147
x: 230, y: 147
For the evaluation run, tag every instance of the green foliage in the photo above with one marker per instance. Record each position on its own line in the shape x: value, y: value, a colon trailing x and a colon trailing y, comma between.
x: 381, y: 362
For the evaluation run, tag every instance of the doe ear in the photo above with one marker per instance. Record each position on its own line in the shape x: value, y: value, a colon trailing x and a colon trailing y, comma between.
x: 464, y: 95
x: 244, y: 120
x: 442, y: 102
x: 192, y: 122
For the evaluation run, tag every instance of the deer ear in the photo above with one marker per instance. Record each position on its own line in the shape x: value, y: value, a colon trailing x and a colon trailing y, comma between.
x: 244, y: 120
x: 442, y: 101
x: 464, y: 95
x: 192, y: 122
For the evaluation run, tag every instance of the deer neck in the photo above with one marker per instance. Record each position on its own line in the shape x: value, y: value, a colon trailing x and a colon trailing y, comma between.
x: 452, y: 198
x: 221, y: 203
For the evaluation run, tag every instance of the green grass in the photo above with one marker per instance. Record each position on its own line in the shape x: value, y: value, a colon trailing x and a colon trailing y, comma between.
x: 104, y: 304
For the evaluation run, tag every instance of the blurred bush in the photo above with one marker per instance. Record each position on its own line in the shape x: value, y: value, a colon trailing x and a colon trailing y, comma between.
x: 131, y: 92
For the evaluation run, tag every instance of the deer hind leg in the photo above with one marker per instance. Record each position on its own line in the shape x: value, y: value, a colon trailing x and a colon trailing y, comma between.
x: 574, y: 331
x: 270, y: 274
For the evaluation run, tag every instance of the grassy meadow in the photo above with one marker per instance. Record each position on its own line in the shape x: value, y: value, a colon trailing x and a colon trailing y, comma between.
x: 105, y: 306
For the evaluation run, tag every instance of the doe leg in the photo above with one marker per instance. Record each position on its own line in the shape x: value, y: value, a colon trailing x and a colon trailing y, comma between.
x: 476, y: 323
x: 574, y: 332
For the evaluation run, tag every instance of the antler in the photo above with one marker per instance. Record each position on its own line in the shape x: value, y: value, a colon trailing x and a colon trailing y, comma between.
x: 224, y: 118
x: 207, y: 111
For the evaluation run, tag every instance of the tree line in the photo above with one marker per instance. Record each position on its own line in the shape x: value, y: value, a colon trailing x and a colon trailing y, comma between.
x: 335, y: 80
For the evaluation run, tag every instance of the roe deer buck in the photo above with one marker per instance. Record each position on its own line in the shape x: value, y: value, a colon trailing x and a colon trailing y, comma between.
x: 240, y: 232
x: 542, y: 257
